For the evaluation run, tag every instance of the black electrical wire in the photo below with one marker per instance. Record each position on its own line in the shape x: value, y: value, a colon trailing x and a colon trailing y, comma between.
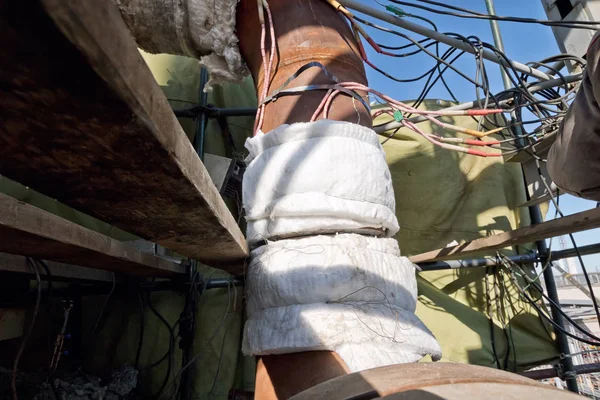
x: 105, y: 303
x: 429, y: 42
x: 141, y: 336
x: 546, y: 105
x: 170, y: 352
x: 446, y: 55
x: 201, y: 353
x: 394, y: 32
x: 592, y: 25
x: 49, y: 310
x: 519, y: 82
x: 15, y: 367
x: 554, y: 324
x: 500, y: 299
x: 522, y: 90
x: 503, y: 295
x: 491, y: 320
x: 516, y: 80
x: 390, y: 136
x: 426, y: 89
x: 579, y: 257
x: 557, y: 307
x: 429, y: 86
x: 552, y: 303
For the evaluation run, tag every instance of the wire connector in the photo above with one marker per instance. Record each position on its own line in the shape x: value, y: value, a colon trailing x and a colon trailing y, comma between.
x: 397, y: 11
x: 398, y: 116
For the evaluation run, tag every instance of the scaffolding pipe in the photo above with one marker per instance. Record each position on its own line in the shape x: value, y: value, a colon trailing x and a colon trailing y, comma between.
x: 475, y: 263
x: 201, y: 121
x: 549, y: 373
x: 562, y: 342
x: 440, y: 37
x: 497, y: 40
x: 214, y: 112
x: 567, y: 253
x: 519, y: 259
x: 517, y: 129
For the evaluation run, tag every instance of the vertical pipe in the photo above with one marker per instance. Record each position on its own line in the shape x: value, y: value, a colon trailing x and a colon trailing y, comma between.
x: 187, y: 329
x: 497, y: 40
x: 305, y: 31
x: 562, y: 342
x: 517, y: 129
x: 202, y: 117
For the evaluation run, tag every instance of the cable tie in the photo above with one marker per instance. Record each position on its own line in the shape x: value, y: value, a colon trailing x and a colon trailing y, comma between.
x: 398, y: 116
x: 300, y: 89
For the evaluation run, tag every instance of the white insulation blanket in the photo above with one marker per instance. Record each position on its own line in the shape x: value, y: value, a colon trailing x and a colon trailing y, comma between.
x: 194, y: 28
x: 319, y: 177
x: 347, y: 293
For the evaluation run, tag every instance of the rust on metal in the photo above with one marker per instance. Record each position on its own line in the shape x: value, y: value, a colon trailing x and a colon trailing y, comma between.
x: 283, y: 376
x: 414, y: 380
x: 306, y: 31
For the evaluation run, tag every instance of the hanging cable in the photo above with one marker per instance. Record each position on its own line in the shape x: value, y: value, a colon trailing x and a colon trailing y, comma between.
x: 592, y: 25
x: 36, y: 308
x: 106, y: 300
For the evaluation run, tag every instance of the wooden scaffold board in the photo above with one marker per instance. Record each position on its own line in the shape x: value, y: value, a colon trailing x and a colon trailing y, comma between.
x: 84, y: 121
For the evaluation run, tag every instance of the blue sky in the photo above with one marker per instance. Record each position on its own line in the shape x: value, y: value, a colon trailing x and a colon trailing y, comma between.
x: 523, y: 42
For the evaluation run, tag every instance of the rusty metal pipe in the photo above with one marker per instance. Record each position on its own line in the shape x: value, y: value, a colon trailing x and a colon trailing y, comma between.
x: 306, y: 31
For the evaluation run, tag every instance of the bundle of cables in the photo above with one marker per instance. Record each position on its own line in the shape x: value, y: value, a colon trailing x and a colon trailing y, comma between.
x: 548, y: 104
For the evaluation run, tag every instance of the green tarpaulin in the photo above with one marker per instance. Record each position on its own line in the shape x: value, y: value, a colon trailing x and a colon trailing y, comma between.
x: 442, y: 197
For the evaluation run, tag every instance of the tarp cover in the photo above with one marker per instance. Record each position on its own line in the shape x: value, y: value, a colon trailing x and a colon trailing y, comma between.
x: 444, y: 196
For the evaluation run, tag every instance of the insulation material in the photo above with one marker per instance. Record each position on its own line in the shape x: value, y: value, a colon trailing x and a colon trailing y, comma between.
x: 283, y: 198
x: 364, y: 335
x: 194, y: 28
x: 473, y: 312
x: 348, y: 293
x: 321, y: 269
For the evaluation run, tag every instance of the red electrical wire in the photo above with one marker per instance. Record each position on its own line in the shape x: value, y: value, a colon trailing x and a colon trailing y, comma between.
x: 268, y: 66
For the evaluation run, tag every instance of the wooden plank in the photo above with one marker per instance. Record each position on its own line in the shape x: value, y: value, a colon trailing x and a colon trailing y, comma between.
x: 84, y: 121
x: 570, y: 224
x: 27, y: 230
x: 59, y: 271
